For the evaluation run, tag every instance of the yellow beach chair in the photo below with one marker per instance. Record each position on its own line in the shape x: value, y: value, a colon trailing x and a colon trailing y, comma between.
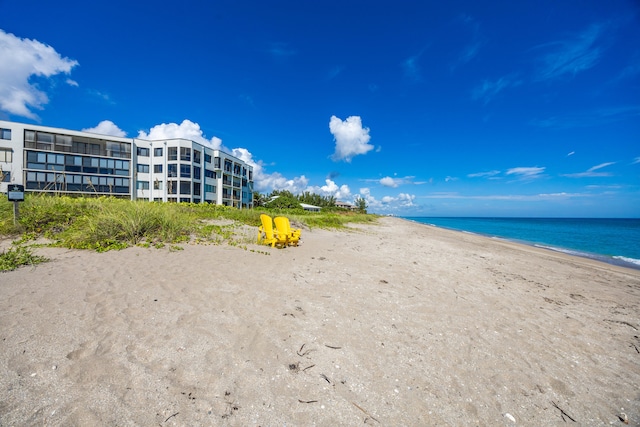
x: 267, y: 235
x: 284, y: 228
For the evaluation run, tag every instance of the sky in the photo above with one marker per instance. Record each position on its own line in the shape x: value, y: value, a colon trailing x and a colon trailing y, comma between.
x: 423, y: 108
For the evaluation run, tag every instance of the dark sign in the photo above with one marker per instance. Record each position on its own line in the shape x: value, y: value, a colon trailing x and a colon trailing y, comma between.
x: 15, y: 193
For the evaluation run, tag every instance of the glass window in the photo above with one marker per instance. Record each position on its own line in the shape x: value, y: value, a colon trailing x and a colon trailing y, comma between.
x: 172, y: 170
x: 157, y: 152
x: 209, y: 174
x: 172, y: 153
x: 143, y: 168
x: 196, y: 172
x: 172, y: 187
x: 207, y: 158
x: 29, y: 135
x: 185, y: 171
x: 5, y: 133
x: 185, y: 154
x: 6, y: 176
x: 143, y: 152
x: 45, y: 138
x: 157, y: 168
x: 196, y: 189
x: 6, y: 155
x: 185, y: 187
x: 142, y: 185
x: 157, y: 185
x: 196, y: 156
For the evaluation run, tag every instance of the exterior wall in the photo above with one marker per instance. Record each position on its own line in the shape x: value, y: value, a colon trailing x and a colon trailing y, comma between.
x: 51, y: 160
x: 46, y: 159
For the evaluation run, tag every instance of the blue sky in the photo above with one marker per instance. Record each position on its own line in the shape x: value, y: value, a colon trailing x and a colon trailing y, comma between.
x: 431, y: 108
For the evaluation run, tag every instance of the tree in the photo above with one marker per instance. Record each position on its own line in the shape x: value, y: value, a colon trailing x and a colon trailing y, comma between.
x: 361, y: 204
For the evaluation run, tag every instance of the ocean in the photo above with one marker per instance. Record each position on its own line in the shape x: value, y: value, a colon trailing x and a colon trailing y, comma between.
x: 615, y: 241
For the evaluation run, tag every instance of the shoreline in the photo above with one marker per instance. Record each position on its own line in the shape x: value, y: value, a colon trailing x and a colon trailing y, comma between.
x: 389, y: 323
x: 617, y: 260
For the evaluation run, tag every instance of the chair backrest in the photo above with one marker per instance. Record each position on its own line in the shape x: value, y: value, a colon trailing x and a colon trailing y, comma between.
x: 267, y: 226
x: 282, y: 225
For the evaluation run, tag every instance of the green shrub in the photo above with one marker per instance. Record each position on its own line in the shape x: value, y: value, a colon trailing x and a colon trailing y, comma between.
x: 13, y: 258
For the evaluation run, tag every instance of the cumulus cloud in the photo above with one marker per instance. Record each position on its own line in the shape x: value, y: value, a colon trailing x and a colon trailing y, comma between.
x: 402, y: 200
x: 187, y: 130
x: 331, y: 189
x: 265, y: 182
x: 350, y: 137
x: 29, y: 58
x: 106, y: 127
x: 387, y: 181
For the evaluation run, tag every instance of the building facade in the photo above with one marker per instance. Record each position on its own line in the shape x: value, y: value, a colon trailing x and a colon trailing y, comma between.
x: 52, y: 160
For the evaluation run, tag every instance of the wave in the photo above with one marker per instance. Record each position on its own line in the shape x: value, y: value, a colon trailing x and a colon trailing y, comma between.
x: 629, y: 260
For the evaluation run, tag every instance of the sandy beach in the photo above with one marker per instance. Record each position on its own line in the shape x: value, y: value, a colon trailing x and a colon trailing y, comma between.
x: 392, y: 324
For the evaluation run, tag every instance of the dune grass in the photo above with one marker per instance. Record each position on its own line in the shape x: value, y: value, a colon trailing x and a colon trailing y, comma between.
x: 106, y: 223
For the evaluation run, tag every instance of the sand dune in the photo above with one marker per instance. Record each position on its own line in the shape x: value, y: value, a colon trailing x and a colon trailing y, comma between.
x: 389, y: 324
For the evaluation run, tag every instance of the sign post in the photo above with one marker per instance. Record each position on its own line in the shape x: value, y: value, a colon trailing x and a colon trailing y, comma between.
x: 15, y: 194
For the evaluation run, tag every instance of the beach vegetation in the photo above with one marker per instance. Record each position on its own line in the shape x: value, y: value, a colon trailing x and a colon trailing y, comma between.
x: 17, y: 256
x: 108, y: 223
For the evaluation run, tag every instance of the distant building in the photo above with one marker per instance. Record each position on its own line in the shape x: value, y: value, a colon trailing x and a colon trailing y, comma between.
x: 346, y: 205
x: 52, y: 160
x: 310, y: 208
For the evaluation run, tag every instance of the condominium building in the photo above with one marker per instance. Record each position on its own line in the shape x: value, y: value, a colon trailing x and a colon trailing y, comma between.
x: 51, y: 160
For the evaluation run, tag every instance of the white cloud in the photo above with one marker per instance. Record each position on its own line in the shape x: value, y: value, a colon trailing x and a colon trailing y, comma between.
x: 187, y: 130
x: 526, y: 172
x: 591, y: 172
x: 265, y: 182
x: 489, y: 90
x: 387, y: 181
x: 402, y: 200
x: 28, y: 58
x: 331, y: 189
x: 106, y: 127
x: 636, y: 161
x: 572, y: 56
x: 488, y: 174
x: 350, y: 137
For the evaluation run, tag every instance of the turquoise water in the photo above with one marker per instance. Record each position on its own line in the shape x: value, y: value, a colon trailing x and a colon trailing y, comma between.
x: 616, y: 241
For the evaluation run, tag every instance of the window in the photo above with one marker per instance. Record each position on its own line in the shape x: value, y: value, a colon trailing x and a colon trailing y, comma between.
x: 6, y: 155
x: 143, y: 152
x: 185, y: 187
x: 196, y: 172
x: 172, y: 187
x: 209, y: 174
x: 207, y: 158
x: 173, y: 153
x: 185, y: 154
x: 157, y: 152
x: 157, y: 185
x: 185, y: 171
x: 157, y: 168
x: 143, y: 168
x: 216, y: 162
x: 172, y: 170
x: 6, y: 176
x: 196, y: 156
x: 5, y: 133
x: 143, y: 185
x: 209, y: 188
x: 196, y: 189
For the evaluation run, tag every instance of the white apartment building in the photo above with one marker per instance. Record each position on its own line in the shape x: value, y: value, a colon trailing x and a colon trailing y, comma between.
x: 52, y: 160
